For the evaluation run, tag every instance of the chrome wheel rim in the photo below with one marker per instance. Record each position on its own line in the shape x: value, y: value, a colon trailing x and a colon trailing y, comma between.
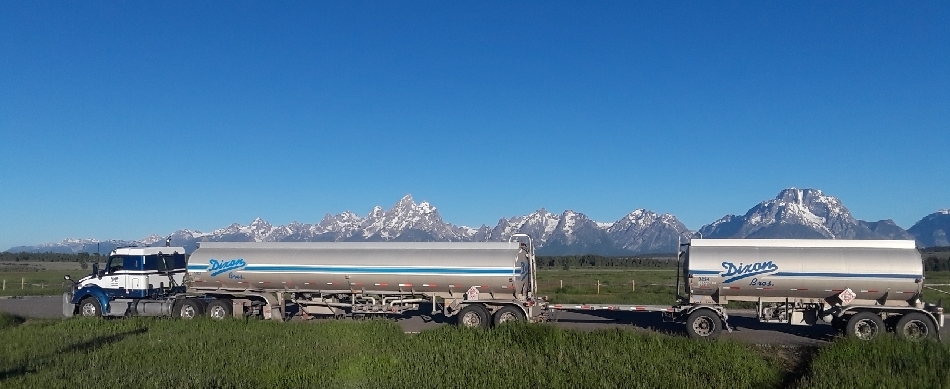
x: 703, y: 326
x: 89, y: 310
x: 471, y: 319
x: 507, y: 316
x: 217, y: 312
x: 187, y: 311
x: 866, y: 329
x: 915, y: 330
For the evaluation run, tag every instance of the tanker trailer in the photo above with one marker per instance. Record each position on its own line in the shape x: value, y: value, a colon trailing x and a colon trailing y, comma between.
x: 480, y: 283
x: 862, y: 287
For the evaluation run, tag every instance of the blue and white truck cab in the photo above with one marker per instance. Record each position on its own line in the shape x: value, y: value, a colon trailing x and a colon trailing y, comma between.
x: 136, y: 281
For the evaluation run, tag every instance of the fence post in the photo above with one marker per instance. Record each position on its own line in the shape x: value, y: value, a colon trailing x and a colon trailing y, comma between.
x: 562, y: 284
x: 633, y: 285
x: 22, y: 283
x: 598, y: 286
x: 4, y: 284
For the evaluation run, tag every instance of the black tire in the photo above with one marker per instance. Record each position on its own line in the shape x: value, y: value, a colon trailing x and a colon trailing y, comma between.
x: 219, y: 309
x: 915, y: 326
x: 474, y: 316
x: 865, y: 326
x: 508, y: 313
x: 188, y: 309
x: 90, y: 307
x: 704, y: 324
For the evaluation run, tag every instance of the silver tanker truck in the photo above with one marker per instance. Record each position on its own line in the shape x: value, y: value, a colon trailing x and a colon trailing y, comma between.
x: 861, y: 287
x: 479, y: 283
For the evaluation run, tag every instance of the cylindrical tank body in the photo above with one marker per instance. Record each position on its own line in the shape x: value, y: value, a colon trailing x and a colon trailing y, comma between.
x: 771, y: 269
x: 431, y: 268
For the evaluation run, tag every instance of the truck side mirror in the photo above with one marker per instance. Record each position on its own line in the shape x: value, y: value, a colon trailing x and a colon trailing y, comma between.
x: 95, y: 269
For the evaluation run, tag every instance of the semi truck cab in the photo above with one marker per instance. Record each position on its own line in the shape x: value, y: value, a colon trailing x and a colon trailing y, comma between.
x: 130, y: 274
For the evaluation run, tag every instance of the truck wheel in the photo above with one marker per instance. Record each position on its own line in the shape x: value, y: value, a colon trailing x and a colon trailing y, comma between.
x: 865, y: 326
x: 508, y: 313
x: 474, y: 316
x: 90, y: 307
x: 188, y: 309
x: 914, y: 326
x: 703, y: 324
x: 219, y: 309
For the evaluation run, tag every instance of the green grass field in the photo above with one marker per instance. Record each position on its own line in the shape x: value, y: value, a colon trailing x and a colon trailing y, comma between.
x: 165, y: 353
x: 626, y: 286
x: 37, y: 278
x: 41, y: 283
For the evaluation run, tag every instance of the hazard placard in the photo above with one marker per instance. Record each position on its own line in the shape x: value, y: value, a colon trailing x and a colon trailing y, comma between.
x: 471, y: 294
x: 846, y: 296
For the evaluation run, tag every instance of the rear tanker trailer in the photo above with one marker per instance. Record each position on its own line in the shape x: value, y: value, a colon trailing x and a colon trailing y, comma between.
x: 479, y: 283
x: 861, y: 287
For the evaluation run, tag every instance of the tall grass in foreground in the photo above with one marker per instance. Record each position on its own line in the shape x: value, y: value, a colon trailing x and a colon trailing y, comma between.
x: 167, y: 353
x: 163, y: 353
x: 883, y: 363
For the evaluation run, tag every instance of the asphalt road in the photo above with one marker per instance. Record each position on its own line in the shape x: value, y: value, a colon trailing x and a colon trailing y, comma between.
x: 745, y: 327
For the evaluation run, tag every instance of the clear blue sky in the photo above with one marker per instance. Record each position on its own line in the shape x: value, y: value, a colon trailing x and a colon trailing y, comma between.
x: 124, y: 119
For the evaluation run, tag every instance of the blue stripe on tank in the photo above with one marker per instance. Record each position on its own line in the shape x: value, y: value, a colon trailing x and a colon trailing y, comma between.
x: 817, y: 274
x: 366, y: 270
x: 847, y: 275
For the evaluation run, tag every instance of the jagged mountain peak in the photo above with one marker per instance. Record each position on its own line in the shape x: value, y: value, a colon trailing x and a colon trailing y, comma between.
x: 933, y: 229
x: 793, y: 213
x: 152, y: 239
x: 405, y: 201
x: 639, y: 214
x: 800, y: 195
x: 425, y: 207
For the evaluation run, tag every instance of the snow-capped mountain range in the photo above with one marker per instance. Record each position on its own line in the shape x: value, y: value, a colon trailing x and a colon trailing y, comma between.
x: 794, y: 213
x: 798, y: 213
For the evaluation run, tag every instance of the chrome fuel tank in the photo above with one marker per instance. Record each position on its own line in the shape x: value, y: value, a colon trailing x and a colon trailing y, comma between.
x: 432, y: 268
x: 774, y: 269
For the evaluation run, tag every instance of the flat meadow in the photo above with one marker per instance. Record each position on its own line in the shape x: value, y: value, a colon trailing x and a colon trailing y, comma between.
x: 164, y: 353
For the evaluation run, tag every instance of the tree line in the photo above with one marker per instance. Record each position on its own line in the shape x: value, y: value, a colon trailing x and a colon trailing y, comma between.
x: 936, y: 258
x: 567, y: 262
x: 84, y: 259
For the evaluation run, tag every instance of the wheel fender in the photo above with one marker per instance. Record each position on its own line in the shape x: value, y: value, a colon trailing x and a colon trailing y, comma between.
x: 722, y: 315
x: 68, y: 307
x: 92, y: 291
